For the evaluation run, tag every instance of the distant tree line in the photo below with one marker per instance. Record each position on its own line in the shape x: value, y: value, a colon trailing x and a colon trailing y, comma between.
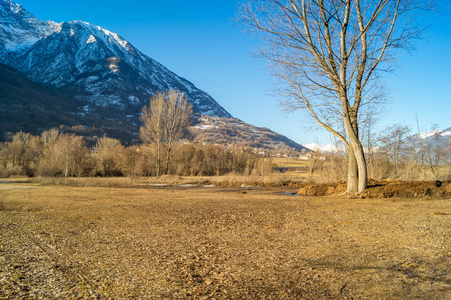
x: 397, y: 152
x: 66, y: 155
x: 401, y: 154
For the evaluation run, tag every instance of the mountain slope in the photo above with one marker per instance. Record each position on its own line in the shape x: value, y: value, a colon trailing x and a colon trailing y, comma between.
x: 20, y: 29
x: 434, y: 134
x: 215, y: 130
x: 435, y: 139
x: 32, y: 107
x: 90, y: 63
x: 23, y: 104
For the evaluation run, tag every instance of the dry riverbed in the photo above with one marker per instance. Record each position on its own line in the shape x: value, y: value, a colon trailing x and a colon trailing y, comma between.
x: 95, y: 242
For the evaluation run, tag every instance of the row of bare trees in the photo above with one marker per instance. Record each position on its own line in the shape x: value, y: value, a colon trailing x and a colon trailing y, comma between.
x: 397, y: 152
x: 63, y: 155
x: 409, y: 156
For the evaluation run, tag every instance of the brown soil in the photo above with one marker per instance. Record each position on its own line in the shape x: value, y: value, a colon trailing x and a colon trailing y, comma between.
x: 384, y: 189
x: 216, y: 243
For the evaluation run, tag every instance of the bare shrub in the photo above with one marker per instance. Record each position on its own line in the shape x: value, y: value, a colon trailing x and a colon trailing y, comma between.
x: 107, y: 153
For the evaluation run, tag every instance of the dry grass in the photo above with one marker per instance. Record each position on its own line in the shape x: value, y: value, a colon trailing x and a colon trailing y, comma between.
x: 229, y: 243
x: 291, y: 162
x: 274, y: 180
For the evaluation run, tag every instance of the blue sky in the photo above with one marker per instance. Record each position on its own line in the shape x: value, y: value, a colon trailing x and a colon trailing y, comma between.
x: 197, y: 40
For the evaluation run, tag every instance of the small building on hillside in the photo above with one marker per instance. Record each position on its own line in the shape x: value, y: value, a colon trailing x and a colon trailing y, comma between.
x: 305, y: 156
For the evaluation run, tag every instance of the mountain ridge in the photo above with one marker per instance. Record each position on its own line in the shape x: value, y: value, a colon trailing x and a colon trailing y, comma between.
x: 89, y: 62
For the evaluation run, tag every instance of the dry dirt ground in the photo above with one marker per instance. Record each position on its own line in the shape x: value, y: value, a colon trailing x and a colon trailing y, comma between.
x: 222, y: 243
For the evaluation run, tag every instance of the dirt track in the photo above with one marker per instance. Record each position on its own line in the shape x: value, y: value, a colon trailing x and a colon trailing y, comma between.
x: 66, y: 242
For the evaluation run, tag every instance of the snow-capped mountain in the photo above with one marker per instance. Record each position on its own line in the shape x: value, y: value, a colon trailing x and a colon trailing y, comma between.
x: 20, y: 29
x: 96, y: 80
x: 434, y: 138
x: 329, y: 148
x: 89, y: 62
x: 434, y: 134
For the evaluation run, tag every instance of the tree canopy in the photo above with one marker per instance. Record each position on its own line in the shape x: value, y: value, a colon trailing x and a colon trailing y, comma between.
x: 328, y: 56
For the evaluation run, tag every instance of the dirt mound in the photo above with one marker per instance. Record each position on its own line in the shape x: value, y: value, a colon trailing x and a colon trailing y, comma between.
x: 323, y: 189
x: 384, y: 189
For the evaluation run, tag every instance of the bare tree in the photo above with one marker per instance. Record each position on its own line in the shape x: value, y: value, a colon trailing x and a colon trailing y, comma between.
x: 131, y: 161
x: 68, y: 156
x: 393, y: 141
x: 328, y: 56
x: 164, y: 122
x: 49, y: 137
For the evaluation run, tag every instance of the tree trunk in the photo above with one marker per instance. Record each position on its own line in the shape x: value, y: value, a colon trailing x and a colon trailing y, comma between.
x: 66, y: 169
x: 168, y: 154
x: 158, y: 160
x: 353, y: 172
x: 359, y: 154
x: 361, y: 164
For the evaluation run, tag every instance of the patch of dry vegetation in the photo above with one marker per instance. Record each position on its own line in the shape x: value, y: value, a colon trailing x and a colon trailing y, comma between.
x: 230, y: 180
x: 235, y: 243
